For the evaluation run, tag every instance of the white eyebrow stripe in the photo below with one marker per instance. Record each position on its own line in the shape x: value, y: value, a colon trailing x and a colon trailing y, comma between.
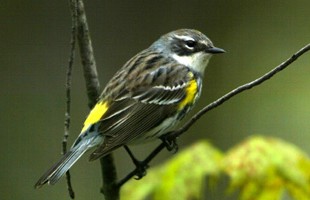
x: 184, y: 37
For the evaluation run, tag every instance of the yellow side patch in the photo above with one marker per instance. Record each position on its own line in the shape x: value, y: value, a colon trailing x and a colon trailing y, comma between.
x: 95, y: 114
x: 191, y: 92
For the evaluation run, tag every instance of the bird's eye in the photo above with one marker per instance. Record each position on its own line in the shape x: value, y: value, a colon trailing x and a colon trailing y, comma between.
x: 190, y: 44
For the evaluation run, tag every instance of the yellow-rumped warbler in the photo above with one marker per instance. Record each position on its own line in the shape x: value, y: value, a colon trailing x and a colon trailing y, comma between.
x: 144, y: 99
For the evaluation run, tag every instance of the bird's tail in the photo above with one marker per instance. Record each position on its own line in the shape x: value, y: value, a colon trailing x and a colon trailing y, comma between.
x: 52, y: 175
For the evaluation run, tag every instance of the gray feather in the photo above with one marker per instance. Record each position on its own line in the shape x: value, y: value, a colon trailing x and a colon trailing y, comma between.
x: 52, y: 175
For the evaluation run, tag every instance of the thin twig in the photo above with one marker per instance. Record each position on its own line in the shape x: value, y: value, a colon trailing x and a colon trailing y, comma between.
x: 174, y: 134
x: 109, y: 176
x: 72, y: 4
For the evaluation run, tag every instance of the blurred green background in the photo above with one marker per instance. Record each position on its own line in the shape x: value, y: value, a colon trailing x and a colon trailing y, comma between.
x: 35, y: 35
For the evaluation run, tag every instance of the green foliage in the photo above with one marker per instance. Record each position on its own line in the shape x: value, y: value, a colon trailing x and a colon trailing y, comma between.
x: 259, y: 168
x: 265, y: 168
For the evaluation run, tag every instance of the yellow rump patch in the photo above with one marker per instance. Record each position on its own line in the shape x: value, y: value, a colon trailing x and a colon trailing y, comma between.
x: 191, y: 92
x: 95, y: 114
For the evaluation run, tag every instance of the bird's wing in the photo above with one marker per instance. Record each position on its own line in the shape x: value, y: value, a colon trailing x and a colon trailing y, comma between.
x: 143, y: 106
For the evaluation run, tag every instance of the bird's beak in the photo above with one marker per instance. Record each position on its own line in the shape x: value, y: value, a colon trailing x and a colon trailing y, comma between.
x: 215, y: 50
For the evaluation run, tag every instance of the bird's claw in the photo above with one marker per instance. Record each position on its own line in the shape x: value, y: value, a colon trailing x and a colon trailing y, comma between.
x: 170, y: 143
x: 140, y: 170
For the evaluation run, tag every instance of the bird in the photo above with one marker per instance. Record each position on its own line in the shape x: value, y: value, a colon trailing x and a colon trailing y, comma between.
x: 146, y: 98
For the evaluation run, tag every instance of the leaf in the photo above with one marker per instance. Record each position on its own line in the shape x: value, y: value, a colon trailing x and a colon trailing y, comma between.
x: 265, y: 168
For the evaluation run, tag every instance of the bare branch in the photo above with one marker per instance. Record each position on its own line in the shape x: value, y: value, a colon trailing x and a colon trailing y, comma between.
x: 72, y: 4
x: 174, y: 134
x: 109, y: 186
x: 87, y: 56
x: 109, y: 176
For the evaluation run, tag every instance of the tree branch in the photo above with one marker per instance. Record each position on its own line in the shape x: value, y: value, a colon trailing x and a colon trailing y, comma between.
x: 92, y: 85
x: 72, y: 4
x: 87, y: 56
x: 174, y: 134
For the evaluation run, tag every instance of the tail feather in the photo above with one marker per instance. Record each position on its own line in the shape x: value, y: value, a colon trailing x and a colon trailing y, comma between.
x: 52, y: 175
